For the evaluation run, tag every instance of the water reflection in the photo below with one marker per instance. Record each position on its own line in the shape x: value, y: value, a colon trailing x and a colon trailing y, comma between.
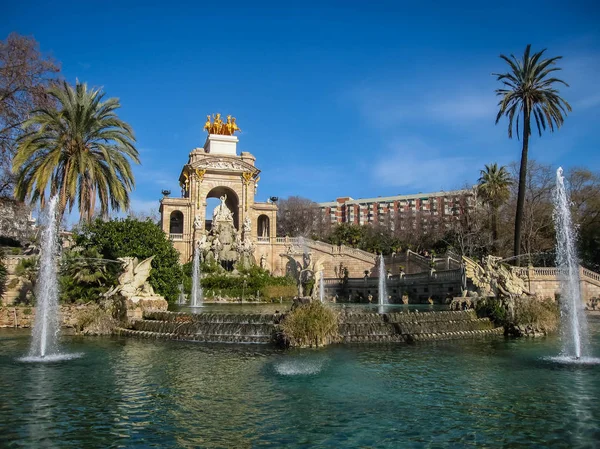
x: 147, y: 393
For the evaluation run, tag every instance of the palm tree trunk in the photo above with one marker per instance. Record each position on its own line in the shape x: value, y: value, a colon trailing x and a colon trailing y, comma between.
x: 62, y: 205
x: 494, y: 227
x: 522, y: 183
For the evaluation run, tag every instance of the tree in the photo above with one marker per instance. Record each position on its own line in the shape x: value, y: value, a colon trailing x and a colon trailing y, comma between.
x: 133, y: 238
x: 84, y: 275
x: 25, y: 75
x: 297, y: 216
x: 529, y: 90
x: 80, y: 151
x: 493, y: 188
x: 584, y: 187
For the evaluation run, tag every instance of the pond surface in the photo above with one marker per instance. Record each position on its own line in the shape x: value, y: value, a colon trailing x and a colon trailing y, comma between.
x: 142, y: 393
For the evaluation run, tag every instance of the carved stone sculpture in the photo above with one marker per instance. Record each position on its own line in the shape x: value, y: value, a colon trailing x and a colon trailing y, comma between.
x: 494, y: 278
x: 133, y: 282
x: 197, y: 223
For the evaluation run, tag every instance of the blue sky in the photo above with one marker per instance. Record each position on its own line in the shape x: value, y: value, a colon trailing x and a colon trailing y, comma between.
x: 333, y: 99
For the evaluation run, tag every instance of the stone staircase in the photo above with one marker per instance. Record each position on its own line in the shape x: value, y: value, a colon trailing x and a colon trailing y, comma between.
x: 204, y: 327
x: 414, y: 326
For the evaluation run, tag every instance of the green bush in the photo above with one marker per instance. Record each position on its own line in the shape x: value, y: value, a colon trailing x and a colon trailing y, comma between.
x: 95, y: 320
x: 135, y: 238
x: 246, y: 283
x: 308, y: 325
x: 274, y: 292
x: 541, y: 315
x: 84, y: 277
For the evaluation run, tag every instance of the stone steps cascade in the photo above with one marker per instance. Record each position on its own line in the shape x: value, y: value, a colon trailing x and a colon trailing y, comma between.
x: 354, y: 327
x: 413, y: 326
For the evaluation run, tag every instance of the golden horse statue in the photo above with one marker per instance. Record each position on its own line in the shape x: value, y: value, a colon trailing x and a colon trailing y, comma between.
x: 218, y: 127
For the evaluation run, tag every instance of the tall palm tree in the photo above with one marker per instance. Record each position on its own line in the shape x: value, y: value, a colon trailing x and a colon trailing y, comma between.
x: 79, y: 150
x: 493, y: 188
x: 528, y: 89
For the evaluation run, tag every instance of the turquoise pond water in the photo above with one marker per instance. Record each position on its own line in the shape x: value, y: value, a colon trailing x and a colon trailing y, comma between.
x: 143, y: 393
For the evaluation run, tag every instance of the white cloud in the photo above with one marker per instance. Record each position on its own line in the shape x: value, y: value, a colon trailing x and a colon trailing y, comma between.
x: 416, y: 165
x: 385, y: 107
x: 139, y: 205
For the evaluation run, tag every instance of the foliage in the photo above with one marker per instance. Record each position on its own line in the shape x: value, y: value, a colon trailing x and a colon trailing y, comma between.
x: 373, y: 238
x: 133, y: 238
x: 584, y: 187
x: 543, y: 315
x: 250, y: 284
x: 312, y: 324
x: 297, y: 216
x: 493, y: 188
x: 276, y: 292
x: 25, y: 74
x: 27, y: 271
x: 528, y: 88
x: 527, y: 312
x: 80, y: 150
x: 95, y: 319
x: 492, y: 308
x: 84, y: 276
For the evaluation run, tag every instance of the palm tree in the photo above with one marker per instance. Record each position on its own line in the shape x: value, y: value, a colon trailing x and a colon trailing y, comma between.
x: 79, y: 150
x: 493, y: 187
x: 528, y: 89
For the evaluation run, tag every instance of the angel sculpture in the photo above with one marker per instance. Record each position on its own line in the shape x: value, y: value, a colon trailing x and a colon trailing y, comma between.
x: 133, y: 281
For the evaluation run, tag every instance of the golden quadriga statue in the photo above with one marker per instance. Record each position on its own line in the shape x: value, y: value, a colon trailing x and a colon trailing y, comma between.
x: 217, y: 126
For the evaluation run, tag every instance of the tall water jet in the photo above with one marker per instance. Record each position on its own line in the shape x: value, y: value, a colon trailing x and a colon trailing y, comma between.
x: 197, y: 294
x: 573, y: 323
x: 321, y: 287
x: 46, y: 326
x: 383, y: 297
x: 181, y: 298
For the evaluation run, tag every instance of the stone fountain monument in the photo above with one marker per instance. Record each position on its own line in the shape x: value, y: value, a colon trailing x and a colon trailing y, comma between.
x: 224, y: 244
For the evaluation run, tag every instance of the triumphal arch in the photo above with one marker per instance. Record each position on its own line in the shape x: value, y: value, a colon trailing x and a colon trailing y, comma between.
x: 217, y: 171
x: 240, y: 229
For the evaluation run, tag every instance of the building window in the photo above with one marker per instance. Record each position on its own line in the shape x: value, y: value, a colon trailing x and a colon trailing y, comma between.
x: 176, y: 222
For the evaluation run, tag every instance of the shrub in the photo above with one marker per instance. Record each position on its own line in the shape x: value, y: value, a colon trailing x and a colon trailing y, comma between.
x: 274, y: 292
x: 247, y: 283
x: 311, y: 324
x: 135, y: 238
x: 543, y: 315
x: 527, y: 312
x: 84, y: 277
x: 95, y: 320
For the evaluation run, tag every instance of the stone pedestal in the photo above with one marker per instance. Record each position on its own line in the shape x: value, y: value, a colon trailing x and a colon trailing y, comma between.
x: 138, y: 304
x: 218, y: 144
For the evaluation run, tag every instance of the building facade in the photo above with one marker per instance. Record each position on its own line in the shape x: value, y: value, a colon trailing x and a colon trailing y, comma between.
x: 216, y: 171
x: 390, y: 210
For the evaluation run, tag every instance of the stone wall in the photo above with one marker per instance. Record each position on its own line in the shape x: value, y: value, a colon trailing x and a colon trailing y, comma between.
x: 15, y: 222
x: 437, y: 285
x: 14, y: 287
x: 545, y: 283
x: 333, y: 257
x: 22, y: 316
